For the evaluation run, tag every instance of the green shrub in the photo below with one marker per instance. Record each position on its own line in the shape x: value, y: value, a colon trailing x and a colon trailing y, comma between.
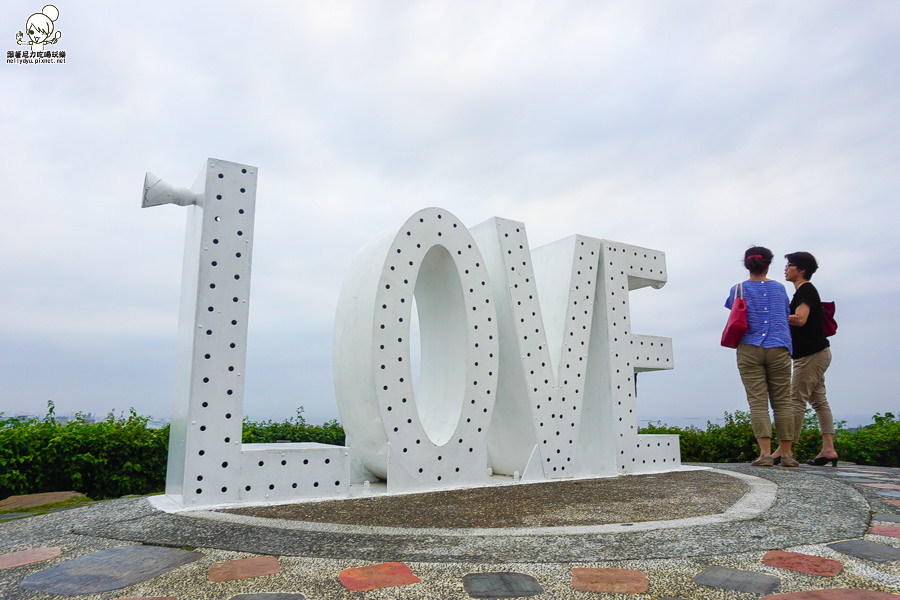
x: 875, y: 444
x: 114, y: 457
x: 293, y: 429
x: 110, y: 458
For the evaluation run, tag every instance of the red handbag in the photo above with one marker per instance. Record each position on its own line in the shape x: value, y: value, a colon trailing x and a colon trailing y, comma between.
x: 737, y: 320
x: 828, y: 318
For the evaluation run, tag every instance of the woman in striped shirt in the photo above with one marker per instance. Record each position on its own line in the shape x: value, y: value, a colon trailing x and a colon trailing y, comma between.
x: 764, y: 357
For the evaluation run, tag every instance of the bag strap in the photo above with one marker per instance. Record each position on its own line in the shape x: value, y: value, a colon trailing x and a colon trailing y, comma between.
x: 741, y: 287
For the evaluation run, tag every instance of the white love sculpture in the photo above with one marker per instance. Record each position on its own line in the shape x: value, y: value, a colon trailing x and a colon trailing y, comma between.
x: 528, y: 360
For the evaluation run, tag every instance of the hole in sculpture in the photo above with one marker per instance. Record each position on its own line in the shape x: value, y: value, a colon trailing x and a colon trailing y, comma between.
x: 439, y: 378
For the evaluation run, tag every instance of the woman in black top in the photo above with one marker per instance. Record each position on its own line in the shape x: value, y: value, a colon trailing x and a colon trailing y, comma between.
x: 811, y: 354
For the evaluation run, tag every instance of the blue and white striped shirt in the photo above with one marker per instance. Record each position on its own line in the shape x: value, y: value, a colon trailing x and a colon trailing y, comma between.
x: 768, y: 308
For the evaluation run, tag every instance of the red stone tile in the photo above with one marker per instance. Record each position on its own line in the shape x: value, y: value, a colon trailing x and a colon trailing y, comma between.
x: 833, y: 594
x: 882, y: 486
x: 893, y: 502
x: 804, y: 563
x: 26, y: 557
x: 243, y: 568
x: 609, y: 581
x: 887, y: 530
x: 373, y: 577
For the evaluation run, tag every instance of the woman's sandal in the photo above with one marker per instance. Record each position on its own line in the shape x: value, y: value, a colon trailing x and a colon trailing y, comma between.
x: 821, y: 461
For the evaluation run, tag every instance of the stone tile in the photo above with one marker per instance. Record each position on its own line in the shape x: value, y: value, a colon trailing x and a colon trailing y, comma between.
x: 243, y: 568
x: 27, y: 557
x: 882, y: 486
x: 501, y: 585
x: 15, y: 515
x: 108, y: 569
x: 270, y: 596
x: 885, y: 530
x: 889, y: 493
x: 867, y: 550
x: 373, y: 577
x: 803, y: 563
x: 886, y: 517
x: 893, y: 502
x: 149, y: 598
x: 834, y: 594
x: 32, y: 500
x: 738, y: 580
x: 609, y: 581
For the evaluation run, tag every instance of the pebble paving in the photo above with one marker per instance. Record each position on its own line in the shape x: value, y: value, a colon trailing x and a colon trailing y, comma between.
x: 47, y: 560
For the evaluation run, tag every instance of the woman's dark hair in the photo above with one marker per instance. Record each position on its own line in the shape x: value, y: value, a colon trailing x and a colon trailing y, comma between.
x: 804, y: 261
x: 757, y: 259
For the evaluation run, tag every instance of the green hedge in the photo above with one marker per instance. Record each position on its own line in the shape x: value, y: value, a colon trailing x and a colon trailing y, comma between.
x: 114, y: 457
x: 107, y: 459
x: 733, y: 441
x: 294, y: 429
x: 118, y: 457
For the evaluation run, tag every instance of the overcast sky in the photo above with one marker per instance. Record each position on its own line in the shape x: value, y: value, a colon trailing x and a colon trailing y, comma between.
x: 693, y: 127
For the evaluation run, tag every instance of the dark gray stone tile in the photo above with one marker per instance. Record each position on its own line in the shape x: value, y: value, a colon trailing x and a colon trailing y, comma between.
x: 108, y: 569
x: 17, y: 515
x: 886, y: 517
x: 738, y: 580
x: 867, y: 550
x: 270, y: 596
x: 501, y: 585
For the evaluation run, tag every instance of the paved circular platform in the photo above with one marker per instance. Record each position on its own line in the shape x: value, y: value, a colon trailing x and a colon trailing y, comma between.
x: 735, y: 531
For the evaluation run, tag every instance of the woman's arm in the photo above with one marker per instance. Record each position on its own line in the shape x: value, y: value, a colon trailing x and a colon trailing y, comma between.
x: 798, y: 319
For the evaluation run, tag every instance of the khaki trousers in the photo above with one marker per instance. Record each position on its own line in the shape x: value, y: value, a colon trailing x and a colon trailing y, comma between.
x: 809, y: 386
x: 766, y: 373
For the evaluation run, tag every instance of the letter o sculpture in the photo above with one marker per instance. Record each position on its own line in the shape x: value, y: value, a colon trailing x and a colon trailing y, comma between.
x: 437, y: 435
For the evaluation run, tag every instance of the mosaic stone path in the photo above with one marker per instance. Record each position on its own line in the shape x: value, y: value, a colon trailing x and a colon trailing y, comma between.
x: 120, y: 567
